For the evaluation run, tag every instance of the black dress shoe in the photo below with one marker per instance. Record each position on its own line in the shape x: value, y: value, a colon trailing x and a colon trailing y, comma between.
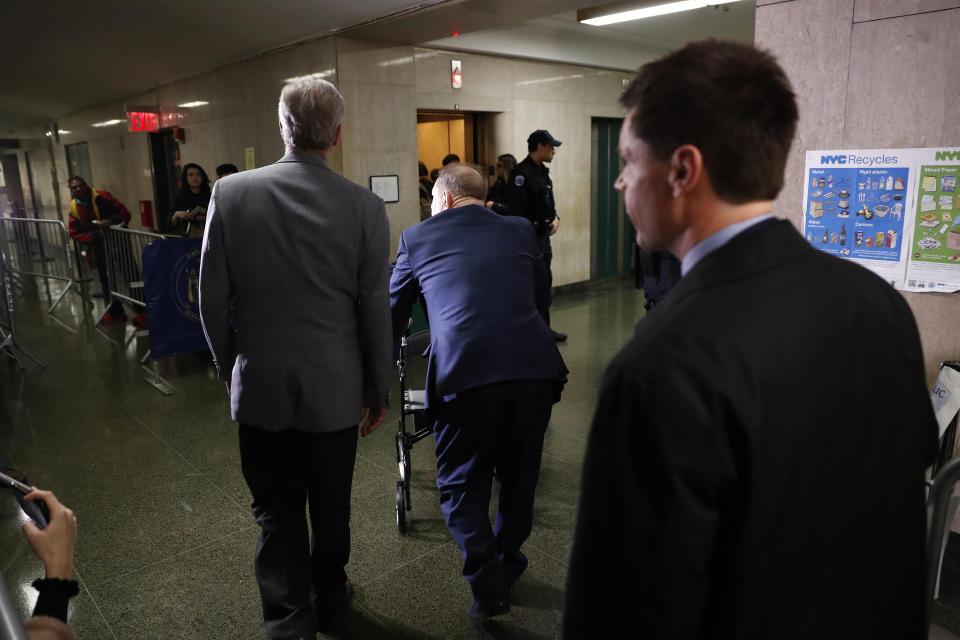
x: 559, y: 337
x: 482, y: 610
x: 330, y: 614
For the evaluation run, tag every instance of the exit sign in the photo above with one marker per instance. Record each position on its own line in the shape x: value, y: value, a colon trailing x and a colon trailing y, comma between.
x: 143, y: 121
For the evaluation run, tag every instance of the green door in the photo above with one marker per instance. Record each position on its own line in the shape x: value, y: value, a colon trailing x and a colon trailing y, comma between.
x: 612, y: 232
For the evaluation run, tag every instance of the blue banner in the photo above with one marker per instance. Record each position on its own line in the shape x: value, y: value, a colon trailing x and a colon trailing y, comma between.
x: 171, y: 280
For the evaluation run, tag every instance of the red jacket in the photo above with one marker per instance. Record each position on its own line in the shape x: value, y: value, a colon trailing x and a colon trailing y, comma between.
x: 102, y: 206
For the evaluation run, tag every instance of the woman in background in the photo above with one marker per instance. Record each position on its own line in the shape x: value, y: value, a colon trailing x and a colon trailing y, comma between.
x: 497, y: 195
x: 189, y: 207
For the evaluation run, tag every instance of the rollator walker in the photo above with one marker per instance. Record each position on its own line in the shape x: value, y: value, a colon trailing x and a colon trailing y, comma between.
x: 413, y: 406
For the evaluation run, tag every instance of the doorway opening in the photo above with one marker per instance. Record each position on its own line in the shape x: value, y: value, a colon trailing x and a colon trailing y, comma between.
x: 165, y: 152
x: 612, y: 231
x: 11, y: 191
x: 443, y: 132
x: 464, y: 133
x: 78, y: 161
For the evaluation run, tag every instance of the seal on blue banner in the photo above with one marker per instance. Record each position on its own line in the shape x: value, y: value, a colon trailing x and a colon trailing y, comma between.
x: 185, y: 284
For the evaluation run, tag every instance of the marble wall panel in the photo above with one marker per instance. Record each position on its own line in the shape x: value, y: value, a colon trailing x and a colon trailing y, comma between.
x: 936, y: 315
x: 549, y: 81
x: 902, y: 93
x: 483, y: 76
x: 811, y: 39
x: 380, y: 138
x: 604, y: 87
x: 570, y: 172
x: 466, y: 102
x: 906, y: 53
x: 375, y: 62
x: 880, y: 9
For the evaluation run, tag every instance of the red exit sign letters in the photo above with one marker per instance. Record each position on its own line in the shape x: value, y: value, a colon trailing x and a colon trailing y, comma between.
x: 142, y: 121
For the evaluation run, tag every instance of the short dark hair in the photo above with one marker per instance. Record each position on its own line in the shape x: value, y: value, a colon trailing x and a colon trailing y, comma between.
x: 422, y: 170
x: 226, y: 168
x: 450, y: 157
x: 730, y: 100
x: 78, y: 178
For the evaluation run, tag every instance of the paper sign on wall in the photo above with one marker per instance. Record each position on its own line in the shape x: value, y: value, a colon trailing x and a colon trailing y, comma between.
x: 891, y: 210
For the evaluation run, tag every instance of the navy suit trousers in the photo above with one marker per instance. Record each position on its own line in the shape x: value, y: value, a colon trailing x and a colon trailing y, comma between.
x: 498, y: 426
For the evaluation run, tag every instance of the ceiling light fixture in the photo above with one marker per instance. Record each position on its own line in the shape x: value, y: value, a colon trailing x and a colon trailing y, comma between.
x: 195, y: 103
x: 626, y: 11
x: 106, y: 123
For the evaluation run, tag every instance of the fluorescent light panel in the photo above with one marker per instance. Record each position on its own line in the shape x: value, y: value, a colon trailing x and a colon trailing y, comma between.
x: 106, y: 123
x: 195, y: 103
x: 611, y: 15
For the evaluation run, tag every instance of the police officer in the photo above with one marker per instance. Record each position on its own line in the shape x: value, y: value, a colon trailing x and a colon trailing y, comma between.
x: 530, y: 194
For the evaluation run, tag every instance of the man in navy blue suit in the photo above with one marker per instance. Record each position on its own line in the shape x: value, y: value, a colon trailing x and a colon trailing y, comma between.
x: 493, y: 373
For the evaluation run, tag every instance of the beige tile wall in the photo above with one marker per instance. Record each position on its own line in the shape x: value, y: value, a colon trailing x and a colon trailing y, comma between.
x: 872, y: 74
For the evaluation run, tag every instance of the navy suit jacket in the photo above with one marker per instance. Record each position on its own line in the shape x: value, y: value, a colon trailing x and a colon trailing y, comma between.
x: 485, y: 286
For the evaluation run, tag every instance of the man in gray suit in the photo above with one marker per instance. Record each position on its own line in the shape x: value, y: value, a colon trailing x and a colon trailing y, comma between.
x: 296, y: 236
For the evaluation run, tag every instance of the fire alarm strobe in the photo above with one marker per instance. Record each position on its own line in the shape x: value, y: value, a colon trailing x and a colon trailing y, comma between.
x: 456, y: 75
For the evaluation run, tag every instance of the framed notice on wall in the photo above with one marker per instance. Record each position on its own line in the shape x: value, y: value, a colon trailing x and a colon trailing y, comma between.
x: 387, y: 187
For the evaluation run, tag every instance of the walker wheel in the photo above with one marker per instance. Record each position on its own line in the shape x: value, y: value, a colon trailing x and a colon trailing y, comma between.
x: 401, y: 511
x: 403, y: 459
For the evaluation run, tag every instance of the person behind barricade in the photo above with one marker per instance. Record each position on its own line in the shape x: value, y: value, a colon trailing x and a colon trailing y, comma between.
x: 92, y: 213
x: 189, y: 207
x: 226, y: 169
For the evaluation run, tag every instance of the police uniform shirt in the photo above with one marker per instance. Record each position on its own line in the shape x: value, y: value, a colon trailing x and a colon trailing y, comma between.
x: 530, y: 194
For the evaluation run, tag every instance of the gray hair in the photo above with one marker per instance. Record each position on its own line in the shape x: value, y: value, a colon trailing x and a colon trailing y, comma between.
x: 462, y: 180
x: 310, y: 110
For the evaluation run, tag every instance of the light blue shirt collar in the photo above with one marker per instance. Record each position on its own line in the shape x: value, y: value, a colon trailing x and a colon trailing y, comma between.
x: 711, y: 243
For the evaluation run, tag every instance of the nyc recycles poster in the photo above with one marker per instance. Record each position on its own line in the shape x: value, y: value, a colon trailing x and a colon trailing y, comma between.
x: 894, y: 211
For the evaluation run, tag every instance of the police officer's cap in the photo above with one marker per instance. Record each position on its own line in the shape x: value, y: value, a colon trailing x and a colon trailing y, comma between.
x: 542, y: 136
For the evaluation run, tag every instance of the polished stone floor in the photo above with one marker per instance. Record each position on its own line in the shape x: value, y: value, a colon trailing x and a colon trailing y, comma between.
x: 165, y: 548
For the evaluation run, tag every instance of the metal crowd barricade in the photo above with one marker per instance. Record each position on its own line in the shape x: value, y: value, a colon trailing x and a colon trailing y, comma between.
x: 39, y: 248
x: 124, y: 256
x: 124, y: 252
x: 8, y: 325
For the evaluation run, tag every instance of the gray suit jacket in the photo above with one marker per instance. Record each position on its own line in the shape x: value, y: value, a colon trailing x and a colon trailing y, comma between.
x: 293, y: 295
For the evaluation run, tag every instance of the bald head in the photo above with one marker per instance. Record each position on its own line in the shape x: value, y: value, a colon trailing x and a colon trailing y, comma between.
x: 458, y: 185
x: 461, y: 180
